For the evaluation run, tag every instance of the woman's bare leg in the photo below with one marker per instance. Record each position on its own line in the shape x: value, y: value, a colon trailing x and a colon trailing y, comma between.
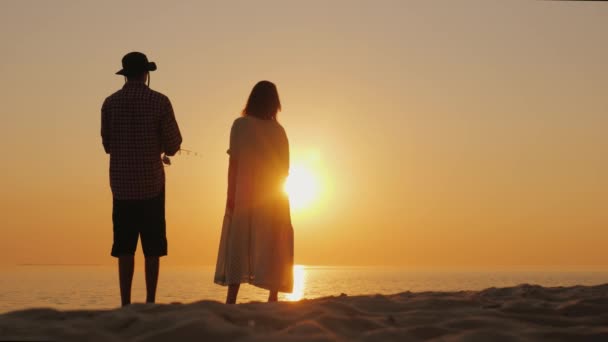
x: 273, y: 296
x: 233, y: 291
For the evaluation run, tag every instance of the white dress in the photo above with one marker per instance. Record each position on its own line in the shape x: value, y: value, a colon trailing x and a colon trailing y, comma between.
x: 256, y: 244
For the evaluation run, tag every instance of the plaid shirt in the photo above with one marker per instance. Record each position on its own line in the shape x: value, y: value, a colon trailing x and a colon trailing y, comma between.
x: 137, y: 125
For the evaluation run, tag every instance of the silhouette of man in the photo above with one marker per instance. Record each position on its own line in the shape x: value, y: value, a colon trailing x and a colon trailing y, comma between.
x: 137, y: 126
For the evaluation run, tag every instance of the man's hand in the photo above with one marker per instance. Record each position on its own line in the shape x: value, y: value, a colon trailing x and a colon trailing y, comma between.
x: 166, y: 160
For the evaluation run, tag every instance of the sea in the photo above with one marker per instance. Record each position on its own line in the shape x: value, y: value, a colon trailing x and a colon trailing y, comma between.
x: 85, y: 287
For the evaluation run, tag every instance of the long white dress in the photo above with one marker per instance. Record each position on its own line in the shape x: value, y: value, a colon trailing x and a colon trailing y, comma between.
x: 256, y: 244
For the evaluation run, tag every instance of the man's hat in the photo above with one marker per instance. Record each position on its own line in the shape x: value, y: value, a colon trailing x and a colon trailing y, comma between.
x: 135, y: 63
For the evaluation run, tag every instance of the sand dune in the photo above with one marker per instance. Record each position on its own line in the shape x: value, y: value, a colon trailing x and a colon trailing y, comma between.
x: 521, y: 313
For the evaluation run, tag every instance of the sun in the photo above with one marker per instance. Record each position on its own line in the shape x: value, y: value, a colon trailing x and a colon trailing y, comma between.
x: 302, y: 187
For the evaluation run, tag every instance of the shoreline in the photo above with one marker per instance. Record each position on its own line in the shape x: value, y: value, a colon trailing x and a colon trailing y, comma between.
x: 519, y: 313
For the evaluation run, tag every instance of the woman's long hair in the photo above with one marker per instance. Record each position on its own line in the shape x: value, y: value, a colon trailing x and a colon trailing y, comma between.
x: 263, y: 101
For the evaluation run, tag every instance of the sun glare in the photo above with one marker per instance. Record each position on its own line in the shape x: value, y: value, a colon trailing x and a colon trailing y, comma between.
x: 301, y: 186
x: 299, y: 282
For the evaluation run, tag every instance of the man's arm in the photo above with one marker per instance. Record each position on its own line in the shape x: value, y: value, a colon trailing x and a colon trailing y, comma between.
x: 105, y: 128
x: 171, y: 138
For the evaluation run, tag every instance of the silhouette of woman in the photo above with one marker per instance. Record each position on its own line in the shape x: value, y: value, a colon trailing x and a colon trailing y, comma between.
x: 256, y: 244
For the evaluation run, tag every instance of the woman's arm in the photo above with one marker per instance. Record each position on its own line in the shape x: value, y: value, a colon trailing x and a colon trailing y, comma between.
x: 232, y: 167
x: 234, y: 153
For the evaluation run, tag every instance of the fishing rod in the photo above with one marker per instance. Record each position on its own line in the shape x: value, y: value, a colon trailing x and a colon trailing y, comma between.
x: 167, y: 161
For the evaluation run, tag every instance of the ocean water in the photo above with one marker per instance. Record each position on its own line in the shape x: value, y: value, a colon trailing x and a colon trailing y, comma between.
x: 96, y: 287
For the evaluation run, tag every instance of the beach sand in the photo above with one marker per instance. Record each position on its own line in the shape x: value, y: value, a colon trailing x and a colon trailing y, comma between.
x: 521, y: 313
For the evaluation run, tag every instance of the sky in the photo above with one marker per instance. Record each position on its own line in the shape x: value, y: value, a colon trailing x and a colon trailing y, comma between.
x: 439, y: 133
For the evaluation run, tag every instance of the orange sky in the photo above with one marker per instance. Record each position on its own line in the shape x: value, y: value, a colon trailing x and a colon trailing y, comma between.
x: 446, y: 134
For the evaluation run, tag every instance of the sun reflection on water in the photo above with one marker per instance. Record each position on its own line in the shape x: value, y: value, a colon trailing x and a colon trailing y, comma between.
x: 299, y: 282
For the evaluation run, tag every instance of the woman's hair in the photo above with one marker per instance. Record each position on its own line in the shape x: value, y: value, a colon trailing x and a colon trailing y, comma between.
x: 263, y: 101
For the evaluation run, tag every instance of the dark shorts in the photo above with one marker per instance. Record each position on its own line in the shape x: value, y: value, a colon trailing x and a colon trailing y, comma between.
x: 134, y: 218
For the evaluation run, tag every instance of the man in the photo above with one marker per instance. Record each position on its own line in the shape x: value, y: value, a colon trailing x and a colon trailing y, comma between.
x: 137, y: 126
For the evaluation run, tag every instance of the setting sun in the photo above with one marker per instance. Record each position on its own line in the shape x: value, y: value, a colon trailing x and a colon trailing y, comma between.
x: 301, y: 186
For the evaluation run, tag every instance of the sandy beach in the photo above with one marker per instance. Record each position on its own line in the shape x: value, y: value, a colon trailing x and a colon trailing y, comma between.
x: 521, y: 313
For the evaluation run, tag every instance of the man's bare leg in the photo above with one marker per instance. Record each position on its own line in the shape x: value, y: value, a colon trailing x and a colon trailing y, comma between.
x: 152, y: 268
x: 126, y: 265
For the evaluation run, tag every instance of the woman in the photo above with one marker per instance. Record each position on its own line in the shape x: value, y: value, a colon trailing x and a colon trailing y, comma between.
x: 256, y: 245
